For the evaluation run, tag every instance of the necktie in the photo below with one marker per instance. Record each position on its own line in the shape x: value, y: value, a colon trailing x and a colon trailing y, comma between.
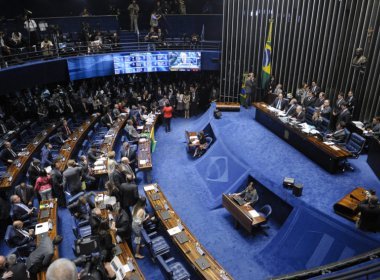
x: 23, y: 206
x: 24, y: 232
x: 68, y: 132
x: 289, y: 109
x: 13, y: 153
x: 278, y: 104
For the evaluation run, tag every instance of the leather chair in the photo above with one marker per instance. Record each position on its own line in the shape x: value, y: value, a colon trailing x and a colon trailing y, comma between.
x: 157, y: 245
x: 173, y: 270
x: 355, y: 145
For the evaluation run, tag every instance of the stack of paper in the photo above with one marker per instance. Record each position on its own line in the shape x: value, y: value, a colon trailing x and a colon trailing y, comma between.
x: 254, y: 213
x: 174, y: 230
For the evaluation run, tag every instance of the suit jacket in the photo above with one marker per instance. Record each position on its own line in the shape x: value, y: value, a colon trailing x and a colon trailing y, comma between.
x: 72, y: 179
x: 6, y: 155
x: 315, y: 90
x: 130, y: 153
x: 344, y: 116
x: 92, y: 156
x: 318, y: 102
x: 291, y: 110
x: 309, y: 101
x: 351, y: 102
x: 131, y: 133
x: 107, y: 120
x: 46, y: 157
x: 118, y: 178
x: 98, y: 223
x: 19, y: 271
x: 376, y: 128
x: 17, y: 238
x: 20, y: 212
x: 369, y: 217
x: 282, y: 105
x: 34, y: 172
x: 339, y: 136
x: 326, y: 112
x: 300, y: 116
x: 42, y: 255
x: 123, y: 225
x: 129, y: 194
x: 29, y: 193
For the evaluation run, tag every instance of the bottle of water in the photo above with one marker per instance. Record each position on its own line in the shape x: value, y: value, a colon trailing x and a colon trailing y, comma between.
x: 223, y: 275
x: 199, y: 249
x: 179, y: 224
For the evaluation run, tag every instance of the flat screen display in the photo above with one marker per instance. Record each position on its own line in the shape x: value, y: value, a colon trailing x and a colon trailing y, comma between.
x: 85, y: 67
x: 184, y: 61
x: 141, y: 62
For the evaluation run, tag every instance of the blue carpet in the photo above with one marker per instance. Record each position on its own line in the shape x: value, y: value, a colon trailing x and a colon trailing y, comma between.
x: 312, y: 235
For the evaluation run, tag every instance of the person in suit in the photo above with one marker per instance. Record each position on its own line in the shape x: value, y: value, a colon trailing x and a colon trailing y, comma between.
x: 129, y: 195
x: 46, y: 155
x: 26, y: 193
x: 369, y: 219
x: 249, y: 85
x: 107, y: 119
x: 57, y: 184
x: 34, y: 171
x: 122, y: 227
x: 344, y: 115
x: 41, y: 257
x: 315, y: 89
x: 5, y: 273
x: 194, y: 103
x: 8, y: 155
x: 375, y: 126
x: 20, y: 210
x: 117, y: 177
x: 127, y: 169
x: 320, y: 100
x: 97, y: 222
x: 291, y: 110
x: 72, y: 178
x: 59, y: 138
x: 92, y: 155
x: 3, y: 127
x: 86, y: 171
x: 309, y: 100
x: 17, y: 268
x: 249, y: 194
x: 132, y: 133
x: 130, y: 153
x: 351, y: 101
x: 81, y: 208
x: 106, y: 245
x: 338, y: 102
x: 20, y: 236
x: 279, y: 103
x: 317, y: 118
x: 326, y: 109
x: 340, y: 134
x: 300, y: 114
x: 66, y: 128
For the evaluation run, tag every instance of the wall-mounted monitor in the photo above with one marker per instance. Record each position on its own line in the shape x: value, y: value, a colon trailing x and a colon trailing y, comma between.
x: 85, y: 67
x: 185, y: 61
x: 141, y: 62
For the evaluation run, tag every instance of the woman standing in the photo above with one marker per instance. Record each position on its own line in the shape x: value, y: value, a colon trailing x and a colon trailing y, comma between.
x: 186, y: 104
x: 139, y: 216
x: 179, y: 103
x: 168, y: 114
x: 43, y: 186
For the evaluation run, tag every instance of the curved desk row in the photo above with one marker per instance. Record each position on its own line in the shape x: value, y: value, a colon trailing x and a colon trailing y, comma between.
x: 200, y: 259
x: 20, y: 165
x: 76, y: 138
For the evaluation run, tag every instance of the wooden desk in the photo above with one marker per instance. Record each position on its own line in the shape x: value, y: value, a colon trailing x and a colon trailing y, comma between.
x: 126, y: 252
x: 373, y: 159
x: 20, y: 165
x: 228, y: 106
x: 110, y: 140
x: 348, y: 205
x: 76, y: 138
x: 325, y: 155
x: 241, y: 213
x: 188, y: 248
x: 52, y: 233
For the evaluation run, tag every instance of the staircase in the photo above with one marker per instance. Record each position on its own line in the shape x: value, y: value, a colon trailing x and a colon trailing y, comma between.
x: 127, y: 37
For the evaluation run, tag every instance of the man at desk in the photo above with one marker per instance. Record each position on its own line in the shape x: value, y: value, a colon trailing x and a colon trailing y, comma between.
x: 339, y: 136
x: 279, y: 103
x: 249, y: 194
x: 369, y: 215
x: 300, y: 114
x: 8, y: 155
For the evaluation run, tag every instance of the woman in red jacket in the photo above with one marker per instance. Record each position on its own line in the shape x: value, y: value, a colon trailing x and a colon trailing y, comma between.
x: 43, y: 186
x: 168, y: 114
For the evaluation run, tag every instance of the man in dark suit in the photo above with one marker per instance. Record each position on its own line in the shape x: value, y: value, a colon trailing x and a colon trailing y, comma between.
x: 344, y: 115
x: 20, y: 210
x: 26, y: 193
x: 81, y: 208
x: 351, y: 101
x: 315, y: 89
x: 194, y: 100
x: 320, y: 100
x: 129, y: 195
x: 117, y: 176
x: 41, y: 257
x: 369, y: 215
x: 309, y: 100
x: 279, y: 103
x: 34, y: 171
x: 130, y: 153
x: 326, y: 109
x: 300, y: 114
x: 18, y: 268
x: 291, y: 110
x: 21, y: 236
x: 338, y: 102
x: 72, y: 178
x: 340, y: 135
x: 46, y: 156
x: 59, y: 138
x: 57, y: 184
x: 5, y: 273
x: 107, y: 119
x: 8, y: 155
x: 122, y: 226
x: 97, y: 222
x: 93, y: 155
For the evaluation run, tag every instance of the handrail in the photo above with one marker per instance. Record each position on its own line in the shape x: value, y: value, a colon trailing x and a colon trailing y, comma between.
x: 74, y: 49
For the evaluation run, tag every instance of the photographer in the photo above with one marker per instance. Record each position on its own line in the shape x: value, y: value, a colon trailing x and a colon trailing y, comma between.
x: 93, y: 267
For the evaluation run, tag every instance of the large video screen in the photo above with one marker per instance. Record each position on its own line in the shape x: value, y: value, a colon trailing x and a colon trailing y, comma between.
x: 185, y: 61
x: 85, y: 67
x: 141, y: 62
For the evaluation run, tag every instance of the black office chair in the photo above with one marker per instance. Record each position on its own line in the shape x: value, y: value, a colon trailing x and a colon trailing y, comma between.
x: 173, y: 270
x: 309, y: 115
x: 354, y: 145
x: 157, y: 245
x: 23, y: 250
x: 265, y: 212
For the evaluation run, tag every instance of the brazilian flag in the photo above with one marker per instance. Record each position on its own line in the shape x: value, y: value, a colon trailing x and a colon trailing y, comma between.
x: 267, y: 65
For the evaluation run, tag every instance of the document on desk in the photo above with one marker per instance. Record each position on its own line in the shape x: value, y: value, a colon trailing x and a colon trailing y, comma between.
x: 254, y: 213
x: 328, y: 143
x: 150, y: 187
x: 142, y: 161
x: 174, y: 230
x: 335, y: 148
x: 42, y: 228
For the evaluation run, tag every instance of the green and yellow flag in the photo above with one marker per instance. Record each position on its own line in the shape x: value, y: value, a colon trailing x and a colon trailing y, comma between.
x: 267, y: 65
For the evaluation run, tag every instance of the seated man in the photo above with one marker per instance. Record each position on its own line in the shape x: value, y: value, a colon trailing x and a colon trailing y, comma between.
x: 340, y: 135
x: 25, y: 193
x: 62, y: 269
x: 5, y: 272
x: 41, y: 257
x: 201, y: 145
x: 7, y: 154
x: 21, y: 236
x: 20, y: 210
x: 59, y: 138
x: 132, y: 133
x: 300, y: 114
x: 126, y: 168
x: 98, y: 223
x: 279, y: 103
x: 249, y: 194
x: 17, y: 268
x: 92, y: 155
x: 81, y: 208
x: 369, y: 215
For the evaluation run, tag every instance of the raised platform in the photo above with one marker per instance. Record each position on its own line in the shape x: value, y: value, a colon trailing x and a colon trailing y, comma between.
x: 228, y: 106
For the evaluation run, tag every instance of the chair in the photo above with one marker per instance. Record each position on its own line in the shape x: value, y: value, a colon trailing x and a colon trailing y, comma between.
x: 309, y: 115
x: 157, y: 245
x: 325, y: 124
x: 22, y: 251
x: 173, y: 270
x: 265, y: 212
x: 80, y: 228
x: 355, y: 145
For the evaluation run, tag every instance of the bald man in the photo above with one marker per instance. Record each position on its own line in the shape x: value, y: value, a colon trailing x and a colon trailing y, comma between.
x: 62, y: 269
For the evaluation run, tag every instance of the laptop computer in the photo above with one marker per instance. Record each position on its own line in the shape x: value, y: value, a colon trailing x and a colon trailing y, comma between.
x: 165, y: 215
x: 181, y: 237
x: 239, y: 200
x: 155, y: 196
x: 202, y: 263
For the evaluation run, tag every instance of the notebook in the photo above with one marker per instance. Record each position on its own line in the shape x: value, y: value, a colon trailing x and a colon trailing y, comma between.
x: 181, y: 237
x: 44, y: 213
x: 202, y: 263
